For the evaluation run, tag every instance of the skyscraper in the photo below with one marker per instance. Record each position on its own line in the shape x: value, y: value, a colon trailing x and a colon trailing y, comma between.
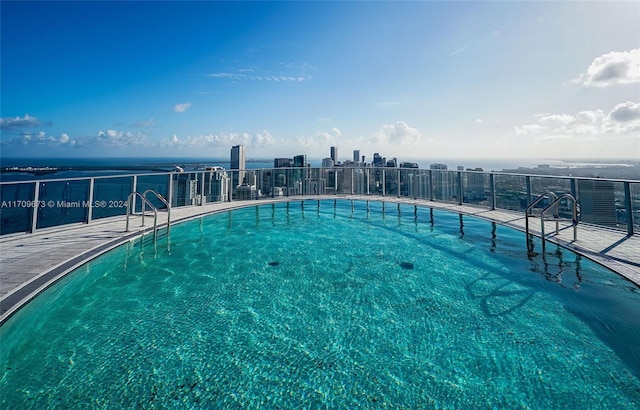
x: 237, y: 162
x: 334, y: 154
x: 356, y: 155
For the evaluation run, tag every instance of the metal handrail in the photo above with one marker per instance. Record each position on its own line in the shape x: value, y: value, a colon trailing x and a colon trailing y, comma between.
x: 574, y: 216
x: 527, y: 211
x: 144, y: 200
x: 164, y: 201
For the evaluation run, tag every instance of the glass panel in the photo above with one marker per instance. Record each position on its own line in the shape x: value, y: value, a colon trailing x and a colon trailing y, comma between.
x: 602, y: 203
x: 445, y: 186
x: 391, y: 181
x: 158, y: 183
x: 65, y: 202
x: 329, y: 177
x: 360, y: 182
x: 247, y: 190
x: 216, y: 186
x: 634, y: 187
x: 414, y: 183
x: 511, y: 192
x: 375, y: 181
x: 476, y: 188
x: 110, y: 196
x: 16, y: 212
x: 185, y: 189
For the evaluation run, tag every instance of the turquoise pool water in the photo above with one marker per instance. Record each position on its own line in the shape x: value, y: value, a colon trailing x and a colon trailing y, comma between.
x: 329, y: 305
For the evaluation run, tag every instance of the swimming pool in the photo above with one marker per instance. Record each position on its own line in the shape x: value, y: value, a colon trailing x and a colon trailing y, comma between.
x: 329, y: 304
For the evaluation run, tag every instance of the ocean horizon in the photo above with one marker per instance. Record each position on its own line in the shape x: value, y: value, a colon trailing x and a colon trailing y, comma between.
x: 75, y: 167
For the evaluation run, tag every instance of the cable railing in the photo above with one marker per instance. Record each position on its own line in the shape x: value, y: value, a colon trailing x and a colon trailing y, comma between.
x: 28, y: 206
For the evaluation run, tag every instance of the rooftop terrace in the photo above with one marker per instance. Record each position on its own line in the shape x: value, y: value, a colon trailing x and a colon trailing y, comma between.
x: 49, y: 227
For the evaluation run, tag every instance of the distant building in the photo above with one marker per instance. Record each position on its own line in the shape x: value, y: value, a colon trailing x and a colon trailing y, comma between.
x: 300, y: 161
x: 392, y: 163
x: 282, y: 162
x: 378, y: 161
x: 327, y: 163
x: 218, y: 182
x: 438, y: 166
x: 334, y: 154
x: 408, y: 165
x: 356, y: 155
x: 237, y: 162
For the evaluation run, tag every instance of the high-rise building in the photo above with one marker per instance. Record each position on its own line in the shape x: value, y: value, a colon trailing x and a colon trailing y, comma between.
x: 237, y: 162
x: 334, y: 154
x: 327, y: 163
x: 438, y: 166
x: 300, y: 161
x: 282, y: 162
x: 356, y: 155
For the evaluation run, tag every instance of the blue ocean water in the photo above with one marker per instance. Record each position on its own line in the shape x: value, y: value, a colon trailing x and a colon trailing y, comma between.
x: 90, y: 167
x: 329, y: 305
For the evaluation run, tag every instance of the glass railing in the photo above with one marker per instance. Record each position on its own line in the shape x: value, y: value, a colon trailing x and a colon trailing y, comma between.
x: 607, y: 203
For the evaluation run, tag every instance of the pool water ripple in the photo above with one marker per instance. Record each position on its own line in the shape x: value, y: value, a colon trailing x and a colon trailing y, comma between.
x: 362, y: 309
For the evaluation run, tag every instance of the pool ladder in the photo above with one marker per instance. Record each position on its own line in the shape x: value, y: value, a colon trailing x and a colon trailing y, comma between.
x: 554, y: 203
x: 145, y: 202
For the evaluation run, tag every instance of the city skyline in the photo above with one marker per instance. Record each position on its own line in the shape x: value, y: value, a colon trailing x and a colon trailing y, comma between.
x: 557, y: 80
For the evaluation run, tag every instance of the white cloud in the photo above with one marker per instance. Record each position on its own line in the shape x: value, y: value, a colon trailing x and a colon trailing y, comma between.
x: 397, y: 134
x: 224, y: 140
x: 623, y: 119
x: 617, y: 67
x: 478, y: 121
x: 625, y: 112
x: 320, y: 140
x: 182, y: 107
x: 115, y: 138
x: 42, y: 139
x: 17, y: 123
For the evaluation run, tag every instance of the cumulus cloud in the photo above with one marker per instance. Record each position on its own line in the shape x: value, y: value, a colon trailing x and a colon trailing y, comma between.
x: 397, y: 134
x: 258, y: 140
x: 625, y: 112
x: 115, y: 138
x: 182, y: 107
x: 321, y: 139
x: 623, y: 119
x: 17, y: 123
x: 617, y: 67
x: 42, y: 139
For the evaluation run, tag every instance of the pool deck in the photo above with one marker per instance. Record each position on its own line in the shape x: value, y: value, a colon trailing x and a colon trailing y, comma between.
x: 31, y: 262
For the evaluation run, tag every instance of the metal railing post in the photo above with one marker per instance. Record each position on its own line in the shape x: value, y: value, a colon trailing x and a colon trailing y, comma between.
x: 384, y: 182
x: 431, y: 189
x: 528, y: 185
x: 629, y: 206
x: 134, y: 188
x: 90, y: 207
x: 492, y: 191
x: 36, y: 206
x: 201, y: 188
x: 170, y: 193
x: 460, y: 188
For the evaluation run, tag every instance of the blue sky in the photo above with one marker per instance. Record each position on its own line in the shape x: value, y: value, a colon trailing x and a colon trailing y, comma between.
x: 406, y: 79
